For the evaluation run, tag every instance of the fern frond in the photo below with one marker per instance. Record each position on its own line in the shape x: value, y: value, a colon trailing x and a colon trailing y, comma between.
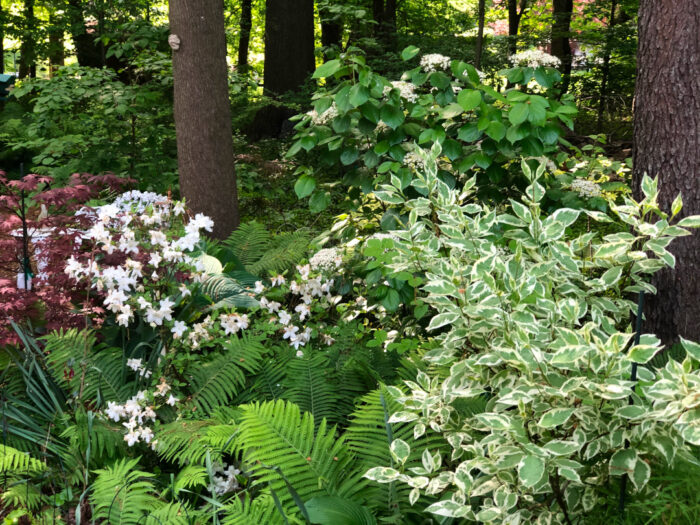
x: 267, y: 384
x: 227, y: 292
x: 172, y: 514
x: 309, y: 387
x: 244, y: 511
x: 121, y: 495
x: 277, y: 440
x: 191, y: 476
x: 22, y: 495
x: 286, y: 250
x: 13, y: 461
x: 185, y: 442
x: 219, y: 380
x: 249, y: 242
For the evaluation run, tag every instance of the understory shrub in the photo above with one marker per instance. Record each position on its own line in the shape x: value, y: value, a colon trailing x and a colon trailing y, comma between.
x: 535, y: 322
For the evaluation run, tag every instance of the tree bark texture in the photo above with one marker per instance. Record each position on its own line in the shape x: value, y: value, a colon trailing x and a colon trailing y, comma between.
x: 289, y: 44
x: 203, y: 112
x: 516, y: 9
x: 27, y: 50
x: 667, y: 145
x: 244, y: 38
x: 2, y: 40
x: 56, y: 49
x: 87, y: 51
x: 481, y: 15
x: 562, y: 11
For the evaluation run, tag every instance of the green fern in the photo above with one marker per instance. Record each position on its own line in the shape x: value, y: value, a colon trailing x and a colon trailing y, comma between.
x: 13, y: 461
x: 309, y: 386
x: 266, y: 385
x: 227, y: 292
x: 185, y: 442
x: 248, y: 242
x: 287, y: 250
x: 219, y: 380
x: 369, y: 436
x: 123, y: 496
x: 278, y: 442
x: 260, y: 511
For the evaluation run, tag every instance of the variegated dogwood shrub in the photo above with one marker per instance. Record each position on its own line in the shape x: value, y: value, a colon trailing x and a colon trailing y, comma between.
x: 536, y: 322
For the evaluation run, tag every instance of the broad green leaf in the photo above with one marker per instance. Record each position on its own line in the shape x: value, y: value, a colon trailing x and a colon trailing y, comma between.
x: 531, y: 471
x: 393, y: 116
x: 319, y: 201
x: 409, y: 52
x: 212, y: 265
x: 469, y: 99
x: 328, y: 69
x: 690, y: 222
x: 382, y: 474
x: 304, y: 186
x: 641, y: 474
x: 496, y: 130
x: 518, y: 113
x: 442, y: 319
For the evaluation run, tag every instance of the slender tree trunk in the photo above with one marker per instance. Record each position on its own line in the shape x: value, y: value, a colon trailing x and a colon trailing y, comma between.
x: 602, y: 97
x: 56, y: 49
x: 2, y: 40
x: 203, y: 111
x: 289, y: 44
x: 244, y: 39
x: 27, y: 50
x: 667, y: 145
x: 88, y: 54
x: 480, y: 34
x: 516, y: 9
x: 562, y: 11
x: 390, y: 23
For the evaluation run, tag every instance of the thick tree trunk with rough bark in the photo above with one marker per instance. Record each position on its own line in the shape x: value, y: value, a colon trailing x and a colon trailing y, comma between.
x: 244, y: 38
x: 203, y: 112
x: 667, y: 145
x: 87, y: 50
x: 2, y: 40
x: 56, y: 49
x: 289, y: 44
x: 562, y: 11
x: 481, y: 15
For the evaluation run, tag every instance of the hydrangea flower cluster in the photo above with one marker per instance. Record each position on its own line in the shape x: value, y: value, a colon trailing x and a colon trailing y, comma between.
x: 324, y: 118
x: 148, y: 252
x: 327, y: 259
x: 406, y: 89
x: 414, y: 161
x: 534, y: 58
x: 585, y: 188
x: 435, y: 62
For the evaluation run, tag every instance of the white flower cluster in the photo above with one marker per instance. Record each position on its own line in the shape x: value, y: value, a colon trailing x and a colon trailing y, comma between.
x: 139, y: 201
x: 233, y: 323
x: 307, y: 289
x: 324, y: 118
x: 585, y: 188
x: 406, y: 89
x: 382, y: 127
x: 435, y: 62
x: 137, y: 366
x: 112, y: 232
x: 227, y: 481
x: 413, y: 161
x: 326, y: 259
x: 534, y: 58
x: 136, y: 412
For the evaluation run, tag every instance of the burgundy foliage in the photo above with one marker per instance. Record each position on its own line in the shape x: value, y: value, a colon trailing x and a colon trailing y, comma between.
x: 55, y: 234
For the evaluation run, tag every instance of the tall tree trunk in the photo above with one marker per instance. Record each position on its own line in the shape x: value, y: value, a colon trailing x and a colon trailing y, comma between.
x: 2, y: 40
x: 603, y: 95
x: 667, y: 145
x: 56, y: 49
x: 289, y: 44
x: 27, y: 50
x: 203, y: 111
x: 481, y: 14
x: 390, y: 24
x: 86, y: 50
x: 562, y: 11
x: 516, y: 9
x: 244, y: 39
